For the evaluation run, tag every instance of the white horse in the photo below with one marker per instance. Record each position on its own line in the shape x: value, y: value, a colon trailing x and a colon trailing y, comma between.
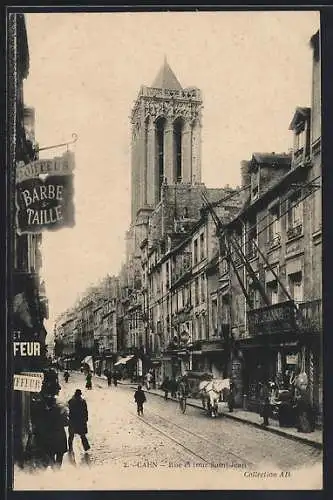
x: 211, y: 394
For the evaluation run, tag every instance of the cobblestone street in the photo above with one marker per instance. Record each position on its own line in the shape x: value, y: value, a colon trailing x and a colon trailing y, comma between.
x: 164, y: 444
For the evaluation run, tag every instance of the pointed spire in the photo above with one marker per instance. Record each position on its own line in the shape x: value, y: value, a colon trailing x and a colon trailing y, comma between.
x: 166, y: 79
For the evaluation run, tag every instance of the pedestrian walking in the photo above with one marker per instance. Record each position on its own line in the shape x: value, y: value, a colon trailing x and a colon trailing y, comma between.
x: 49, y: 419
x: 115, y: 379
x: 231, y: 397
x: 148, y: 380
x: 89, y: 381
x: 140, y: 399
x: 173, y: 387
x: 78, y: 418
x: 109, y: 377
x: 264, y: 402
x: 66, y: 376
x: 166, y: 387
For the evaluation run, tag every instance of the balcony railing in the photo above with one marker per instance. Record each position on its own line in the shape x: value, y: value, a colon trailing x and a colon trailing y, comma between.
x: 299, y: 156
x: 183, y: 225
x: 272, y: 319
x: 166, y: 93
x: 310, y: 316
x: 295, y: 231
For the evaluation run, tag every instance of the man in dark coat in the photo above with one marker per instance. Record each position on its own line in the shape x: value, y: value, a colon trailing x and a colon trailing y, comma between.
x: 78, y: 418
x: 166, y: 387
x: 49, y: 419
x: 109, y: 377
x: 139, y: 398
x: 115, y: 378
x: 88, y: 381
x: 173, y: 387
x: 264, y: 394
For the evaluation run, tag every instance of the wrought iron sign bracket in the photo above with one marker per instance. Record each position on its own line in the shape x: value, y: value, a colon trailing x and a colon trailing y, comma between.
x: 74, y: 136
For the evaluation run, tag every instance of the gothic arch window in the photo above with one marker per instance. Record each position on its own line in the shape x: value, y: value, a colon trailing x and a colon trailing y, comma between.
x: 178, y: 148
x: 160, y: 126
x: 145, y: 164
x: 195, y: 150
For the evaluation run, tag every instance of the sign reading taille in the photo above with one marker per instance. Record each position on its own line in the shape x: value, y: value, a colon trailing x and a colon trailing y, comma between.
x: 44, y: 194
x: 27, y: 383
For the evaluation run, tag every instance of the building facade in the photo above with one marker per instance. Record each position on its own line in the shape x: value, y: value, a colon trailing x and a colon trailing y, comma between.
x: 270, y: 269
x: 89, y: 328
x: 27, y: 302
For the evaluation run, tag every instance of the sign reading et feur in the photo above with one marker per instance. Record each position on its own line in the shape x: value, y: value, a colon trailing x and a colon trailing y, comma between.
x: 44, y: 194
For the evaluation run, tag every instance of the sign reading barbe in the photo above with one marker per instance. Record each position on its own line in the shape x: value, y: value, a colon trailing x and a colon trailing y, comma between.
x: 44, y: 194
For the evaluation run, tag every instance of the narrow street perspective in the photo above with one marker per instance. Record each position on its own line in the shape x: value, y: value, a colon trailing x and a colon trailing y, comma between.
x: 166, y: 266
x: 166, y: 440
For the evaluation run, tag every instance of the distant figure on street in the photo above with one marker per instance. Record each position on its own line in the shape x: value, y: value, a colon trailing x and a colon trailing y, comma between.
x: 66, y: 376
x: 231, y: 397
x: 115, y: 379
x: 78, y: 418
x: 173, y: 387
x: 109, y: 377
x: 148, y: 380
x: 88, y: 381
x: 305, y: 414
x: 264, y: 402
x: 183, y: 388
x: 166, y: 387
x: 49, y: 419
x: 139, y: 398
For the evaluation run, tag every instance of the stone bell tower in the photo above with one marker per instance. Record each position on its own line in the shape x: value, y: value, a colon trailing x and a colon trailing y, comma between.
x: 166, y: 138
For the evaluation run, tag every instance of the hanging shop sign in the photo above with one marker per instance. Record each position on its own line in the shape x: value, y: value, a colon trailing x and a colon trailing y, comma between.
x: 292, y: 359
x: 44, y: 194
x: 27, y: 383
x: 272, y: 319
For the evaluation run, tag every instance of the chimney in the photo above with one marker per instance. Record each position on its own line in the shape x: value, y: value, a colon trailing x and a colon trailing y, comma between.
x: 245, y: 179
x: 245, y: 174
x: 29, y: 123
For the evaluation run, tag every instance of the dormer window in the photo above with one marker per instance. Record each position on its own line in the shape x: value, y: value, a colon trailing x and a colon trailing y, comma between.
x: 300, y: 128
x: 299, y: 139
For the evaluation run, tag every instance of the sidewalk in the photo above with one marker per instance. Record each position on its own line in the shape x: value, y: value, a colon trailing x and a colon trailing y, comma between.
x: 314, y: 439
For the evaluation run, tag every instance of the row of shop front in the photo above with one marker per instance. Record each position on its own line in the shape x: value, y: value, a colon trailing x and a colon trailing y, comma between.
x: 275, y: 350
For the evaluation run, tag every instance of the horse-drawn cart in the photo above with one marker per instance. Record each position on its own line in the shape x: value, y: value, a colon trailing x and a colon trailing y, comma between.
x: 215, y: 396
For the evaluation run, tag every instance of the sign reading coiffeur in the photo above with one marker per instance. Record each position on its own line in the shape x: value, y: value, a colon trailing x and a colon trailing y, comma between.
x: 44, y: 194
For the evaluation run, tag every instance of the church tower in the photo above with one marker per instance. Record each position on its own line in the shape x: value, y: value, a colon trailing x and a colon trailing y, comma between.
x: 166, y: 139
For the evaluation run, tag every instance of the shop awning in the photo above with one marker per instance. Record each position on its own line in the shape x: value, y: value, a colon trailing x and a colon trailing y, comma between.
x: 87, y: 360
x: 123, y: 361
x: 155, y: 362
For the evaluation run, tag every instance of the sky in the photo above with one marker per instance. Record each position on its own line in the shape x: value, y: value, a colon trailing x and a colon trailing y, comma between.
x: 86, y: 69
